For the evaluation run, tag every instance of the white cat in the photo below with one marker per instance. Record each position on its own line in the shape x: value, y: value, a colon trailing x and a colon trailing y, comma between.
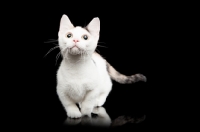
x: 84, y: 77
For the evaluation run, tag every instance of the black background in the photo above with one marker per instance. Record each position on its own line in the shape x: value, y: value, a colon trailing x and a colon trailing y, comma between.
x: 137, y: 36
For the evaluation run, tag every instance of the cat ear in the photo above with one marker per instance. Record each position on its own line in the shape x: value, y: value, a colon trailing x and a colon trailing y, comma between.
x: 94, y: 26
x: 65, y: 24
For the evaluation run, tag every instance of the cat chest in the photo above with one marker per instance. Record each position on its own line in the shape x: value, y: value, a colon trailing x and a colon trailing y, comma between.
x: 77, y: 91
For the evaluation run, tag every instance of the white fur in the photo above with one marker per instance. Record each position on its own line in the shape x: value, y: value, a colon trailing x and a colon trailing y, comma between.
x: 79, y: 79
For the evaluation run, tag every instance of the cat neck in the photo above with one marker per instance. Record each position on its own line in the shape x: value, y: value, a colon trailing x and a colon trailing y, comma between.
x: 77, y: 59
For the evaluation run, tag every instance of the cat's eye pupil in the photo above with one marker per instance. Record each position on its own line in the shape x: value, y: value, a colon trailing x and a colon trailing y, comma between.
x: 85, y: 37
x: 69, y: 35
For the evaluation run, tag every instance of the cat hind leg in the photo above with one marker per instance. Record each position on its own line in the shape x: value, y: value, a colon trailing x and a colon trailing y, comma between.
x: 102, y: 98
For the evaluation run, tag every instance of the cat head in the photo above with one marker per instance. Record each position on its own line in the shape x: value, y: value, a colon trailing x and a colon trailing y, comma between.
x: 78, y: 40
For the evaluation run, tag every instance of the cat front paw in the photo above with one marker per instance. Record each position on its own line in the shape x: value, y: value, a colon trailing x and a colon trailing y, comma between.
x: 86, y: 112
x: 74, y: 114
x: 99, y: 110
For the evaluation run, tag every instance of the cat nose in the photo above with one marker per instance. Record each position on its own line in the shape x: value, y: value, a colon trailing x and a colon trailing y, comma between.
x: 76, y: 40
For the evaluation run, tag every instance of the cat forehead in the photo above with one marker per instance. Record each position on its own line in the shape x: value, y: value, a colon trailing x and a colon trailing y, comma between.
x: 79, y: 30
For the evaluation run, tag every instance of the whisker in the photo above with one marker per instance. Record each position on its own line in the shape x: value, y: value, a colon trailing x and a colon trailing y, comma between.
x: 86, y: 53
x: 57, y: 57
x: 51, y: 50
x: 81, y: 55
x: 55, y: 44
x: 84, y: 56
x: 102, y: 46
x: 98, y: 51
x: 102, y: 42
x: 66, y: 55
x: 51, y: 41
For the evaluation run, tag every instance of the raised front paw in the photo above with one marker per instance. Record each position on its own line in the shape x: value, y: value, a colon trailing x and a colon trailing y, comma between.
x: 74, y: 114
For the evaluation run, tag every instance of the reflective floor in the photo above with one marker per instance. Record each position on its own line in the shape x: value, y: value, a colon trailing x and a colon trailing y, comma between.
x: 100, y: 118
x: 127, y: 106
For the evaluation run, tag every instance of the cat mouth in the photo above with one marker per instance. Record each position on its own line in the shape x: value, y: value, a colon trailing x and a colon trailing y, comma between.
x: 74, y: 50
x: 75, y: 46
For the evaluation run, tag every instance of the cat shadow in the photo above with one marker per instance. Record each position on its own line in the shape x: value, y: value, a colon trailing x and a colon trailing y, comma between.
x: 100, y: 118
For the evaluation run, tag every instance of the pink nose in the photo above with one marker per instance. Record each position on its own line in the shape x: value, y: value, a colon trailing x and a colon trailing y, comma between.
x: 76, y: 40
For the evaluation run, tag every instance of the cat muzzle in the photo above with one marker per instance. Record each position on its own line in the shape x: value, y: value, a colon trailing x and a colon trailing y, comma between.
x: 74, y: 50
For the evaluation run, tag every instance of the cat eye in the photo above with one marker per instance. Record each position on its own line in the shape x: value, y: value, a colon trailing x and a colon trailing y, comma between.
x: 69, y: 35
x: 85, y: 37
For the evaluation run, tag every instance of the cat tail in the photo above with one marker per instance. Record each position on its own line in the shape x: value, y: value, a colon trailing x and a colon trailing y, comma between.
x: 123, y: 79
